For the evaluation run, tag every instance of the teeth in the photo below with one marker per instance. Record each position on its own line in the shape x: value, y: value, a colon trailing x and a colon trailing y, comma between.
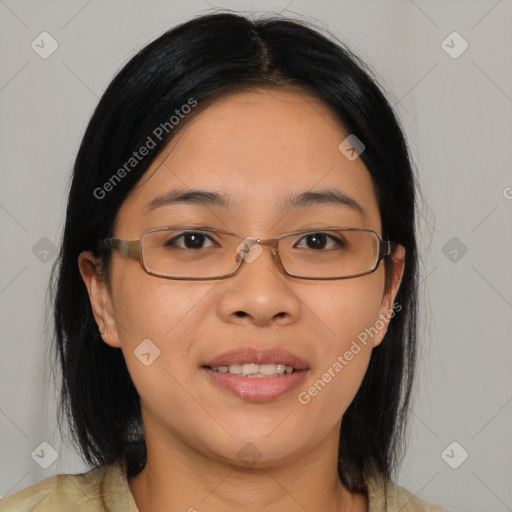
x: 252, y: 370
x: 249, y: 369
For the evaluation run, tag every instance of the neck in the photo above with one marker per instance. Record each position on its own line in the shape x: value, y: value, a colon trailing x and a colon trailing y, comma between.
x: 177, y: 477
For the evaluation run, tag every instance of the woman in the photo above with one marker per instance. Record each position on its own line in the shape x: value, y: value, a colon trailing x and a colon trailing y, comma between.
x: 235, y: 297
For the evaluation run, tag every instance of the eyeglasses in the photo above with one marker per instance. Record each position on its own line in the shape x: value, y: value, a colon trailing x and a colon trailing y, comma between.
x: 193, y: 253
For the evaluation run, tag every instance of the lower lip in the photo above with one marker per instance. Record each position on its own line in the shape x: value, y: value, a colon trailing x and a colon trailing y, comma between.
x: 257, y: 389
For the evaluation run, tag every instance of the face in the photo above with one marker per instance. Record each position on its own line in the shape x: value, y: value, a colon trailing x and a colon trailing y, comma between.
x: 256, y: 148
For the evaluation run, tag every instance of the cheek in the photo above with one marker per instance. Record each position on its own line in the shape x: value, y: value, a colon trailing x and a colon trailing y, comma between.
x: 347, y: 309
x: 152, y: 307
x: 157, y: 324
x: 346, y: 315
x: 158, y: 317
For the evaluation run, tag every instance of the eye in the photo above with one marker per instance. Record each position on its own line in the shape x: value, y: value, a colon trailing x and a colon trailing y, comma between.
x: 190, y: 240
x: 321, y: 240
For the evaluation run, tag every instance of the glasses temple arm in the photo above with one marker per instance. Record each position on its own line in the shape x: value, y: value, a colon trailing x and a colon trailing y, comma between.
x: 387, y: 248
x: 129, y: 248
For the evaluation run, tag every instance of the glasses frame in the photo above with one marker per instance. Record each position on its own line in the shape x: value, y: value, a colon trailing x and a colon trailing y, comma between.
x: 133, y: 249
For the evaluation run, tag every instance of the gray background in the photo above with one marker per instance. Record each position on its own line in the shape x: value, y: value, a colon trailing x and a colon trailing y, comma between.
x: 457, y: 116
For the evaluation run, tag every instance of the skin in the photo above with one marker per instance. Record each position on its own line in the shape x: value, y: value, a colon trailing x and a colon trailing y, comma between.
x: 257, y: 147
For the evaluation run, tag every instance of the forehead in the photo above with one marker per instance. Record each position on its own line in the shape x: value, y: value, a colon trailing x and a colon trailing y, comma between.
x: 258, y: 148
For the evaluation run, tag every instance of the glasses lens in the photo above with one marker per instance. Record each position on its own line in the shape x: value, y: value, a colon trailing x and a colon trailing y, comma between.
x: 324, y: 254
x: 189, y: 252
x: 200, y: 253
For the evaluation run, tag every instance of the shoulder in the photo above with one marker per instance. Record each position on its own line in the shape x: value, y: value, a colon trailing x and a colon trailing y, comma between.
x: 402, y: 499
x: 386, y: 496
x: 57, y: 493
x: 96, y: 490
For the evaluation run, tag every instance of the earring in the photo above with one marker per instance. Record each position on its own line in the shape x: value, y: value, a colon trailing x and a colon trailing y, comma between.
x: 103, y: 331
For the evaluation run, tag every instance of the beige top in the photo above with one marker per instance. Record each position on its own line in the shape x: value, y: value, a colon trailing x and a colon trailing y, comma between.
x: 105, y: 489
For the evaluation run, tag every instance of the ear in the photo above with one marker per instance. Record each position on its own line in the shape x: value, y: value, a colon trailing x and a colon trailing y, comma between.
x: 99, y: 295
x: 388, y: 308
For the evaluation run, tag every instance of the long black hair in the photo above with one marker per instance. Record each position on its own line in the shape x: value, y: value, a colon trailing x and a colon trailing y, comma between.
x: 198, y: 61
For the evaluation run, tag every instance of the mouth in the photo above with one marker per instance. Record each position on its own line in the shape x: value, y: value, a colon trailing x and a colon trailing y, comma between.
x: 255, y: 370
x: 256, y: 375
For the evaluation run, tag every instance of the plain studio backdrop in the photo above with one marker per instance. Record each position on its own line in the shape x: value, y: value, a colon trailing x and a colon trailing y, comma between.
x: 447, y: 68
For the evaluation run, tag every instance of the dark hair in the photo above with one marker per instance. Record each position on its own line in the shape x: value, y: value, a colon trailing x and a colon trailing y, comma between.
x: 202, y: 59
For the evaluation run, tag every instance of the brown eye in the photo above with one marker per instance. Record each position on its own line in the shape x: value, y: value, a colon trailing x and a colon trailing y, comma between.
x: 320, y: 240
x: 189, y: 240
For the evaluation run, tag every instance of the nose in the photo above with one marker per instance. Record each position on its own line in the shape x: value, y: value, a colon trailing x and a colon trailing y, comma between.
x: 259, y: 293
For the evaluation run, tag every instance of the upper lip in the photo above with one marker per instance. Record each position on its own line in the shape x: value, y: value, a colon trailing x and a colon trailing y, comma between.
x: 258, y: 356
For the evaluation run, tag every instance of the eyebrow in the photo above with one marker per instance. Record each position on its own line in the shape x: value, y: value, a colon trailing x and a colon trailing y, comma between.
x: 330, y: 197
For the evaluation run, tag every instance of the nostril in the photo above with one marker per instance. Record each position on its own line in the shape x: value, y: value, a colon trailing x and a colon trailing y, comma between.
x: 241, y: 314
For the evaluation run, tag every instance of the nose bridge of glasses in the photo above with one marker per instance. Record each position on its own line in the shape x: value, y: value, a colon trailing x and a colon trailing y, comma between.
x: 249, y: 242
x: 251, y: 248
x: 269, y: 242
